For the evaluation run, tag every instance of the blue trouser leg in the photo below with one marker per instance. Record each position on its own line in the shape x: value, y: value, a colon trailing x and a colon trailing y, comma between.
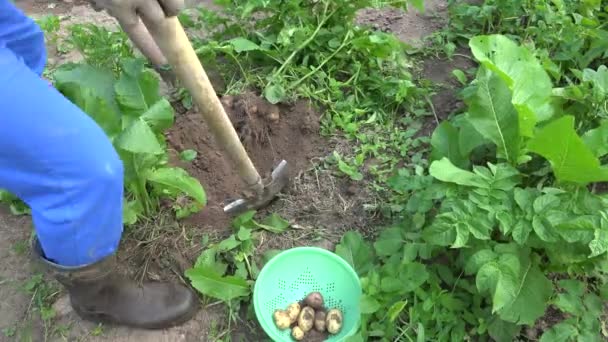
x: 60, y: 162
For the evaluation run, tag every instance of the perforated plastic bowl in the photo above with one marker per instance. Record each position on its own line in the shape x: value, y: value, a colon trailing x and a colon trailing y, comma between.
x: 292, y: 274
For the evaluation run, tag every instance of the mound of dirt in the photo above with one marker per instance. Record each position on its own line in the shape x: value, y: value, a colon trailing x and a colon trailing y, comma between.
x: 269, y: 133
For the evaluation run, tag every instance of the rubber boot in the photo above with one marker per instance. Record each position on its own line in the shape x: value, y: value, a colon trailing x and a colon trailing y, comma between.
x: 99, y: 294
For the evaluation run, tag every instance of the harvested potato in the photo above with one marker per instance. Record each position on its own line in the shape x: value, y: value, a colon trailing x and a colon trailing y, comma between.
x: 334, y: 321
x: 320, y: 321
x: 314, y: 300
x: 281, y: 319
x: 306, y: 319
x: 293, y: 310
x: 297, y: 333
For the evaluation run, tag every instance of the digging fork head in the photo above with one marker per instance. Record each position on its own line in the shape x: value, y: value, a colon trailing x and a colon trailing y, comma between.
x: 279, y: 179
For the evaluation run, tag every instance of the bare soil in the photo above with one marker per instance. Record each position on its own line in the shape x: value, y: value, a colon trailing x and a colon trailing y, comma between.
x: 269, y: 133
x: 410, y: 27
x: 319, y: 204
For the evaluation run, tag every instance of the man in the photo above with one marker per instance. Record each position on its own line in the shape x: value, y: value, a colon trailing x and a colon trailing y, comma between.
x: 59, y: 161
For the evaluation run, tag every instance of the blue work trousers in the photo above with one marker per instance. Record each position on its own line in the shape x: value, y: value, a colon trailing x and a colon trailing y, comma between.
x: 53, y: 156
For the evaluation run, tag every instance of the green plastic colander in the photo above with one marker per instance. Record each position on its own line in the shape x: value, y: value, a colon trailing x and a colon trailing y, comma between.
x: 292, y: 274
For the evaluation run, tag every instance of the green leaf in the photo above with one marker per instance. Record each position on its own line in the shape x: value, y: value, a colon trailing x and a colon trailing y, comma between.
x: 74, y: 77
x: 390, y: 284
x: 519, y: 289
x: 244, y: 219
x: 274, y: 93
x: 188, y: 155
x: 412, y: 276
x: 130, y: 211
x: 408, y: 278
x: 228, y: 244
x: 594, y: 304
x: 445, y: 171
x: 544, y: 203
x: 418, y: 4
x: 208, y: 259
x: 138, y: 137
x: 571, y: 300
x: 493, y: 115
x: 211, y: 284
x: 561, y: 332
x: 521, y: 231
x: 420, y: 337
x: 523, y: 74
x: 571, y: 159
x: 177, y: 179
x: 597, y: 139
x: 99, y: 110
x: 369, y: 305
x: 544, y: 230
x: 389, y: 242
x: 578, y: 229
x: 395, y: 310
x: 462, y: 236
x: 468, y: 137
x: 241, y: 44
x: 160, y: 115
x: 599, y: 78
x: 274, y: 223
x: 350, y: 170
x: 439, y: 234
x: 524, y: 198
x: 137, y: 89
x: 91, y: 89
x: 479, y: 259
x: 460, y: 76
x: 356, y: 251
x: 599, y: 244
x: 445, y: 142
x: 502, y: 331
x: 244, y: 234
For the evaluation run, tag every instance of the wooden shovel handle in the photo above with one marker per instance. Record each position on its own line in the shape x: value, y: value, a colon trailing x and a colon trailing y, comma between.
x: 175, y: 45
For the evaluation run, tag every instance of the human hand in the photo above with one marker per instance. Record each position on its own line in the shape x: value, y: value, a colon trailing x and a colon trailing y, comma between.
x: 153, y: 12
x: 128, y: 12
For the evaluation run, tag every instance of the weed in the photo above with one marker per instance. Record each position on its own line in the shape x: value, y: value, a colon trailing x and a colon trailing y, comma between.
x: 50, y: 24
x: 20, y: 247
x: 43, y: 294
x: 97, y: 331
x: 101, y: 47
x: 134, y: 116
x: 227, y: 270
x: 9, y: 331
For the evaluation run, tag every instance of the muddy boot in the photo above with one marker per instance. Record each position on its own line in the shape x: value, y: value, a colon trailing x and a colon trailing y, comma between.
x: 98, y: 294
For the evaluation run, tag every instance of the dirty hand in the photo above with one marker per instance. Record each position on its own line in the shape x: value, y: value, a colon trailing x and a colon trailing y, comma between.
x: 128, y: 12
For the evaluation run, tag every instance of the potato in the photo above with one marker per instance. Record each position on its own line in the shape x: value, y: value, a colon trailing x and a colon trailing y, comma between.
x: 320, y: 321
x: 293, y: 310
x: 297, y: 333
x: 281, y: 319
x: 334, y: 321
x: 314, y: 300
x: 306, y: 319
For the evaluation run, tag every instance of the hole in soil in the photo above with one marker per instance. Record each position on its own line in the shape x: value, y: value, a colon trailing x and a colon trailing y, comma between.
x: 269, y: 133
